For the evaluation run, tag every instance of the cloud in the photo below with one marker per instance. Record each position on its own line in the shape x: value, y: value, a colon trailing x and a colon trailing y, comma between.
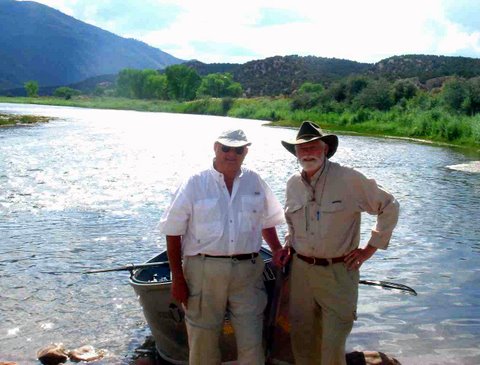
x: 127, y: 16
x: 464, y: 13
x: 239, y: 31
x: 273, y: 16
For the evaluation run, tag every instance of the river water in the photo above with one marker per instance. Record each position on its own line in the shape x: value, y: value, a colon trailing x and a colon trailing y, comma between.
x: 86, y: 191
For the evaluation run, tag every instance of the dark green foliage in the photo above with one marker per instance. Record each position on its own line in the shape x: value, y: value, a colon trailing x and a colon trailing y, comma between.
x: 304, y: 101
x: 182, y: 82
x: 219, y: 85
x: 404, y: 90
x: 376, y: 95
x: 454, y: 94
x: 338, y: 91
x: 472, y: 103
x: 283, y: 75
x: 203, y: 106
x: 355, y: 85
x: 309, y: 87
x: 31, y: 87
x: 204, y: 69
x: 65, y: 92
x: 308, y: 96
x: 426, y: 67
x: 140, y: 84
x: 155, y: 86
x: 227, y: 104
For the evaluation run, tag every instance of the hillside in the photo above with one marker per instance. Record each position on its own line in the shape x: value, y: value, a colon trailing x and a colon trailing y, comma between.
x: 426, y: 67
x: 43, y: 44
x: 282, y: 74
x: 210, y: 68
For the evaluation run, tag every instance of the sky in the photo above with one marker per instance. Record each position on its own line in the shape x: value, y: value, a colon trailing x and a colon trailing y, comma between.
x: 218, y: 31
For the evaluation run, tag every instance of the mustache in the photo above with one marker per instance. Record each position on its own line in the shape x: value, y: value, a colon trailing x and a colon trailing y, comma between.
x: 310, y: 158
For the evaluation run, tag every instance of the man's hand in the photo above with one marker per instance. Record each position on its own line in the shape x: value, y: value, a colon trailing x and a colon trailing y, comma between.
x: 357, y: 257
x: 281, y: 257
x: 180, y: 290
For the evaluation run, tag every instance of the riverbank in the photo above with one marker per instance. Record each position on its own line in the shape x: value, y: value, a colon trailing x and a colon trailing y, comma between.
x: 16, y: 119
x: 418, y: 125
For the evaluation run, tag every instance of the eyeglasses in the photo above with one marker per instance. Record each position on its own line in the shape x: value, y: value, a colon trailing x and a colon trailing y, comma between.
x: 238, y: 150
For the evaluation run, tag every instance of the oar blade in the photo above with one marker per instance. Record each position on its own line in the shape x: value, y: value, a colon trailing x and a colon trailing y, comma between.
x: 389, y: 285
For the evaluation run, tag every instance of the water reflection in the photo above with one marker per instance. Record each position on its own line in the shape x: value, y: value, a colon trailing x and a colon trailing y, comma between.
x: 87, y: 190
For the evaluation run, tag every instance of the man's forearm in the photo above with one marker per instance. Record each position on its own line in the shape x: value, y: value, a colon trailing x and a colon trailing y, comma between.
x: 174, y: 252
x: 270, y: 236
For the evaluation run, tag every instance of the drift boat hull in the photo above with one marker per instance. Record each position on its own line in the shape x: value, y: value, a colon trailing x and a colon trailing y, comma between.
x: 166, y: 319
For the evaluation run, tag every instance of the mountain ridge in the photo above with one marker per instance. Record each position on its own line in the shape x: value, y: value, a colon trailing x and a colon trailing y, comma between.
x: 41, y: 43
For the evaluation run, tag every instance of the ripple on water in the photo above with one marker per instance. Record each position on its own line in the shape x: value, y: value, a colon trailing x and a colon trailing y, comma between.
x: 87, y: 193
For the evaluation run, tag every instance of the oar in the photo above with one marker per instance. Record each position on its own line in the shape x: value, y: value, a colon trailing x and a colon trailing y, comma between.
x: 130, y: 267
x: 380, y: 283
x: 389, y: 285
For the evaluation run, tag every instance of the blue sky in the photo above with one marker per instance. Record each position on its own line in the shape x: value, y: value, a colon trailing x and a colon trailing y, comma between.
x: 244, y: 30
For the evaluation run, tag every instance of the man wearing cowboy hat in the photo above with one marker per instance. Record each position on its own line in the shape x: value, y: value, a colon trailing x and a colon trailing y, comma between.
x: 216, y: 221
x: 323, y: 208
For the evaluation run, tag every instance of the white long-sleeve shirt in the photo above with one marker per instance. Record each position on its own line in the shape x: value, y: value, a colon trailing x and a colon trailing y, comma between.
x: 213, y: 222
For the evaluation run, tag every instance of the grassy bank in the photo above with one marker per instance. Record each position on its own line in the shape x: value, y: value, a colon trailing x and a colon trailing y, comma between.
x: 11, y: 119
x: 434, y: 125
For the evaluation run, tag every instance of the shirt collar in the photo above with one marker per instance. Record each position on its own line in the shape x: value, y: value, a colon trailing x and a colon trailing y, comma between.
x: 218, y: 175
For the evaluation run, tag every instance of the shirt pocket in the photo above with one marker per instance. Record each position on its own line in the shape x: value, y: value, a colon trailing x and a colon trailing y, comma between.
x: 332, y: 216
x: 251, y: 214
x: 207, y: 224
x: 296, y: 215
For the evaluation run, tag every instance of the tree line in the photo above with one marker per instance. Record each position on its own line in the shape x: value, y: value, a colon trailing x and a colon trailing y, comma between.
x: 457, y: 95
x: 178, y: 82
x: 182, y: 83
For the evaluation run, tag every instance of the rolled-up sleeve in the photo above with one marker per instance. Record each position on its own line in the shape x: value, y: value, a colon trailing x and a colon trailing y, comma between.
x: 374, y: 200
x: 174, y: 221
x: 274, y: 215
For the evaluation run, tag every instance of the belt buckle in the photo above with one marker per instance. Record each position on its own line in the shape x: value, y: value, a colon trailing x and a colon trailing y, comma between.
x: 314, y: 261
x: 234, y: 259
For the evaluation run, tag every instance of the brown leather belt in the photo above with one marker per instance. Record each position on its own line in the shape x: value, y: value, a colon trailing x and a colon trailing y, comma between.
x: 321, y: 261
x: 243, y: 256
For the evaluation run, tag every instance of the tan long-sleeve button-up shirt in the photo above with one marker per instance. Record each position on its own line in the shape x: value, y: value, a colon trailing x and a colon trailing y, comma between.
x: 324, y: 217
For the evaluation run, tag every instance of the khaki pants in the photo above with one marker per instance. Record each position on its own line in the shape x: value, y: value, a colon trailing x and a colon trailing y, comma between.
x: 217, y: 285
x: 323, y: 302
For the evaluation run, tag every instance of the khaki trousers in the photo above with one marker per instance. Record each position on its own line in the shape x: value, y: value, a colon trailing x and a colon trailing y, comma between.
x: 323, y: 303
x: 217, y: 285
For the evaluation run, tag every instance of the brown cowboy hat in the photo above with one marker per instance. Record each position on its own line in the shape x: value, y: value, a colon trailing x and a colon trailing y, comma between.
x: 308, y: 132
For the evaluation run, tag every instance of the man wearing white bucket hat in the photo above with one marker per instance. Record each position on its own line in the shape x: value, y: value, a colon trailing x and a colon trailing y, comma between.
x: 323, y: 208
x: 216, y: 221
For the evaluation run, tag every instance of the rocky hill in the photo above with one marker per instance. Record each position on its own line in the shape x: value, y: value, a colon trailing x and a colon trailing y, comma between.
x: 425, y: 67
x: 40, y: 43
x: 283, y: 75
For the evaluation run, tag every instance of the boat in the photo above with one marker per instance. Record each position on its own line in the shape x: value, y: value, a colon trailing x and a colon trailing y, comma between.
x: 151, y: 282
x: 166, y: 319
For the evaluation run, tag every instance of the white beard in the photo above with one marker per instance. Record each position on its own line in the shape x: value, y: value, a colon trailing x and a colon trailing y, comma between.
x: 314, y: 163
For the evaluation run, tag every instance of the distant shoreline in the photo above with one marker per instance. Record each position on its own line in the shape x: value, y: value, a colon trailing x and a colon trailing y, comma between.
x: 266, y: 109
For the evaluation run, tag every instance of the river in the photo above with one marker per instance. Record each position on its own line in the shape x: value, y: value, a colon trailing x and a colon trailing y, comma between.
x: 86, y: 191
